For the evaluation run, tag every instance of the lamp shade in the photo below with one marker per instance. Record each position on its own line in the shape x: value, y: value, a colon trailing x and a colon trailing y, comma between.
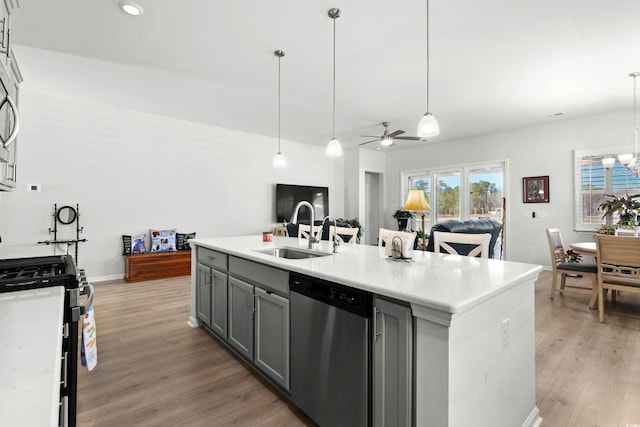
x: 416, y: 201
x: 428, y: 126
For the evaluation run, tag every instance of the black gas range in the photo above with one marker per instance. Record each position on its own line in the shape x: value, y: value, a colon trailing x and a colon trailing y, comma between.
x: 17, y: 274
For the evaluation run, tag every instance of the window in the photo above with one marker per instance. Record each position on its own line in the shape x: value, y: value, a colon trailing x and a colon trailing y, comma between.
x: 460, y: 192
x: 593, y: 182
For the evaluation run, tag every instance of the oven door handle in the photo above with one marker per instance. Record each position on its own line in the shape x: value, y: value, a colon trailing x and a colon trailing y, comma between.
x: 78, y: 312
x: 16, y: 121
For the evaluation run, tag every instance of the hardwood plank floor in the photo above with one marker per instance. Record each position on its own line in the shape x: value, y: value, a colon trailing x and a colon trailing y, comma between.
x: 154, y: 370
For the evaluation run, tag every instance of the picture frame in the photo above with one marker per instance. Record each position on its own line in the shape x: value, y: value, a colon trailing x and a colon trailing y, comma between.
x: 535, y: 189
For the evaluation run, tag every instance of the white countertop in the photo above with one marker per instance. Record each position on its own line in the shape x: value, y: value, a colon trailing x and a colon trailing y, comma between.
x: 448, y: 283
x: 30, y: 356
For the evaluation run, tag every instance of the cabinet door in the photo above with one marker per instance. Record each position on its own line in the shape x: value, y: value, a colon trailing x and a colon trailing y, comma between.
x: 219, y: 303
x: 392, y: 364
x: 203, y: 294
x: 241, y: 317
x: 272, y: 336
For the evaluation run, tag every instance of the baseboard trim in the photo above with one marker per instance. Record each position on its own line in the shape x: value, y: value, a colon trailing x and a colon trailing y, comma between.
x: 105, y: 278
x: 534, y: 419
x: 193, y: 322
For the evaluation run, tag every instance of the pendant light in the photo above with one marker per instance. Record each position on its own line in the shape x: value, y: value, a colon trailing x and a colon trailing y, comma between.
x: 279, y: 160
x: 428, y: 125
x: 334, y: 149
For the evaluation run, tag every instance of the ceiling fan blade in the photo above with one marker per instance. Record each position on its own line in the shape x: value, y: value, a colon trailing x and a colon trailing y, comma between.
x: 369, y: 142
x: 409, y: 138
x: 370, y: 136
x: 394, y: 134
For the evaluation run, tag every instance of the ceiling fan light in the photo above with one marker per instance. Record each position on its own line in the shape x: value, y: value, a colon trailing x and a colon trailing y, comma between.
x: 428, y: 126
x: 334, y: 149
x: 279, y: 160
x: 608, y: 162
x: 386, y: 141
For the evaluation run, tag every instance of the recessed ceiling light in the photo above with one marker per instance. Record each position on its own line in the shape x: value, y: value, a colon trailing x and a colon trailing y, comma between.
x: 131, y: 8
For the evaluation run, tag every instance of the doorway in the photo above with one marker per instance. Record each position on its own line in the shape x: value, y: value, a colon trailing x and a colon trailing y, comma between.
x: 372, y: 206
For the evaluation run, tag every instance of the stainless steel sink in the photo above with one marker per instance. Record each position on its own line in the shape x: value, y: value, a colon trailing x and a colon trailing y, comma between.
x: 291, y: 253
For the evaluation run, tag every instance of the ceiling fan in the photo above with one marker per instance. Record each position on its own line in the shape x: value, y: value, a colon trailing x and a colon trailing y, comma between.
x: 386, y: 139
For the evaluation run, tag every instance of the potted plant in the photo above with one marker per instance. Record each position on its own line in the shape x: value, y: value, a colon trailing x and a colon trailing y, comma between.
x: 403, y: 218
x: 606, y: 229
x: 627, y: 207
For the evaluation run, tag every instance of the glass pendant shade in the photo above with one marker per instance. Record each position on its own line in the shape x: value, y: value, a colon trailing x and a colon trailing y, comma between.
x: 608, y: 162
x: 386, y: 141
x: 428, y: 126
x: 625, y: 159
x: 334, y: 149
x: 279, y: 160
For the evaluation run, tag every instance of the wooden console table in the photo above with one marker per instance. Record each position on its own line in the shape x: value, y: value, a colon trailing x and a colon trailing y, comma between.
x: 156, y: 265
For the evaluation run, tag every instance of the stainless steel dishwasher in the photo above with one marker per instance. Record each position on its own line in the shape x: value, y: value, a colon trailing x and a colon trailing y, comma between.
x: 330, y: 351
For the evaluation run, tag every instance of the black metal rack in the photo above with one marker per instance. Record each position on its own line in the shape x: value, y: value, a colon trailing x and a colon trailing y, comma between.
x: 73, y: 216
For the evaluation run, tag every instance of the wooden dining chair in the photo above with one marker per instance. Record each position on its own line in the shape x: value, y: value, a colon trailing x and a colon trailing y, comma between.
x: 351, y: 234
x: 304, y: 231
x: 442, y: 239
x: 618, y: 260
x: 385, y: 235
x: 569, y: 269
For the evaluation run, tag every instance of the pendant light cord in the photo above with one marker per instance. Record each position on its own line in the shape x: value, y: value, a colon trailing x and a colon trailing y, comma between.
x: 635, y: 112
x: 427, y: 56
x: 279, y: 58
x: 334, y: 78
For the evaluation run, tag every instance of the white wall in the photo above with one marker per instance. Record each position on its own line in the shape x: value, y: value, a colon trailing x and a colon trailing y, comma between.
x: 534, y: 151
x: 131, y: 171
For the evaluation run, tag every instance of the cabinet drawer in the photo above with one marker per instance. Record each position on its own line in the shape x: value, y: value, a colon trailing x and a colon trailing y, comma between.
x: 212, y: 258
x: 270, y: 278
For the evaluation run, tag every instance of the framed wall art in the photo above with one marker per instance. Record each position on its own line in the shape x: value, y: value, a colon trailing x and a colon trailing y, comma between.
x: 535, y: 189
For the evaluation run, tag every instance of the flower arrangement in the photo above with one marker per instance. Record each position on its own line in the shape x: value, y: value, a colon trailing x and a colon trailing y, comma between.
x: 572, y: 256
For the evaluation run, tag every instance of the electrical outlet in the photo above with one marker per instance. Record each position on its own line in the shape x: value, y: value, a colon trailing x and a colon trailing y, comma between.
x: 505, y: 333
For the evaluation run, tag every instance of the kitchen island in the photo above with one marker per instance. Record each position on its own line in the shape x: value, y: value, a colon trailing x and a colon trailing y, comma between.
x: 472, y: 332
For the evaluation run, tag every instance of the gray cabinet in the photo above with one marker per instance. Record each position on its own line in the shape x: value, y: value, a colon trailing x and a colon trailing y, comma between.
x: 240, y: 308
x: 203, y: 294
x: 272, y: 336
x: 219, y: 303
x: 392, y: 363
x: 211, y: 292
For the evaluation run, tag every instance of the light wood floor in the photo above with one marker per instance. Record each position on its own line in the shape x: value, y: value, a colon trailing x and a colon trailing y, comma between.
x: 154, y: 370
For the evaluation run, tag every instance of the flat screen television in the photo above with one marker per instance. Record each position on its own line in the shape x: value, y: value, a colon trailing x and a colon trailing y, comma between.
x: 288, y: 196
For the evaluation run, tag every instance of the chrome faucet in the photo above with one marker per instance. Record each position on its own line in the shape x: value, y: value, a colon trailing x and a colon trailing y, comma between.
x: 335, y: 226
x: 294, y: 218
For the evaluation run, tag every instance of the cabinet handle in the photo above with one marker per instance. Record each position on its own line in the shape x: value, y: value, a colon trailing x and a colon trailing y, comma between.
x: 64, y: 369
x: 211, y: 257
x: 253, y: 313
x: 375, y: 324
x: 16, y: 124
x: 4, y: 43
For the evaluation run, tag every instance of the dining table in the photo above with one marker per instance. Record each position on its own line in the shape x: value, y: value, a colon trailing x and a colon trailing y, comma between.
x: 584, y: 248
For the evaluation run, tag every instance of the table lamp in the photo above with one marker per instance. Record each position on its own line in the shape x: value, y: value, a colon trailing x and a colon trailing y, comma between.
x: 417, y: 203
